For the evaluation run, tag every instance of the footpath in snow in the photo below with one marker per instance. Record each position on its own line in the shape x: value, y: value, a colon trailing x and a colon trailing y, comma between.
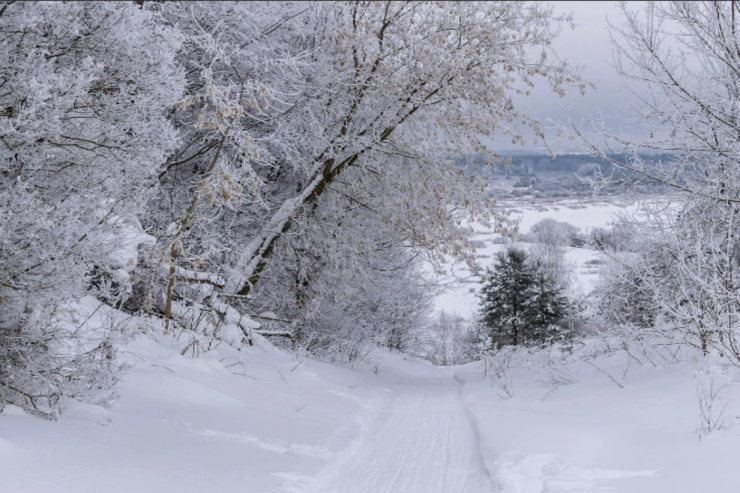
x: 421, y: 439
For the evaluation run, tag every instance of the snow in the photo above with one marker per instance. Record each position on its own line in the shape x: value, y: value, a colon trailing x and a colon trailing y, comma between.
x: 419, y: 439
x: 224, y: 421
x: 581, y: 213
x: 642, y: 436
x: 264, y: 420
x: 261, y: 419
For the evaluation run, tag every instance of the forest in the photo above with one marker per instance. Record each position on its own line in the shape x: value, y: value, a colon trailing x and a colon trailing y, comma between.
x: 236, y: 169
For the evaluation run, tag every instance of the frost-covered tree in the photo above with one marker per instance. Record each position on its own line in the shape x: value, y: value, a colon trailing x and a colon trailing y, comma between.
x: 620, y: 237
x: 678, y: 282
x: 166, y: 156
x: 345, y: 283
x: 622, y: 297
x: 550, y: 238
x: 686, y: 56
x: 355, y: 99
x: 450, y: 340
x: 84, y: 92
x: 390, y: 79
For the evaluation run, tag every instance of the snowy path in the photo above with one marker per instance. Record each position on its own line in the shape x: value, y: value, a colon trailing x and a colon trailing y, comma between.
x: 398, y: 425
x: 421, y: 440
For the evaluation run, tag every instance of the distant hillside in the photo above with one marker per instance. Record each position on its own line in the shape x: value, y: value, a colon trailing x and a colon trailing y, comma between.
x: 566, y: 175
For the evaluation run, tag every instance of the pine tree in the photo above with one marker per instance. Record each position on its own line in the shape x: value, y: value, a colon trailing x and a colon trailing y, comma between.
x: 546, y: 306
x: 520, y: 303
x: 505, y: 296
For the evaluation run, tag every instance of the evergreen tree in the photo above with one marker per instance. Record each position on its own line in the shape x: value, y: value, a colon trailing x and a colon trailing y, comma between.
x: 546, y: 306
x: 519, y: 302
x: 505, y: 296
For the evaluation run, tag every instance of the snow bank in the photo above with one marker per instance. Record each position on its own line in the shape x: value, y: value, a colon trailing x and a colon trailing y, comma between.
x: 227, y: 420
x: 593, y: 435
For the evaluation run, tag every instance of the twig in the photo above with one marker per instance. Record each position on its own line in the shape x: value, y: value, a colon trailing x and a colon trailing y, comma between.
x: 163, y: 367
x: 605, y: 373
x: 132, y: 354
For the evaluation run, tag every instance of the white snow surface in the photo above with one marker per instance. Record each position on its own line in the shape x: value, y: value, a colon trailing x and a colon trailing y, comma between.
x: 264, y: 420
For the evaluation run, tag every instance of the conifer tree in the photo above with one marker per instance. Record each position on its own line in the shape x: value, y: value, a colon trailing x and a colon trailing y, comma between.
x: 547, y: 305
x: 519, y: 302
x: 505, y: 296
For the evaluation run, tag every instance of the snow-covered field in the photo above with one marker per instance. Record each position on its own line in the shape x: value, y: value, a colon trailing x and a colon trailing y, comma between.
x: 263, y: 420
x: 460, y: 295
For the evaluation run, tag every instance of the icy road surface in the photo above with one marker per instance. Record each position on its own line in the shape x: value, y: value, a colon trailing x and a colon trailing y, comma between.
x: 422, y: 440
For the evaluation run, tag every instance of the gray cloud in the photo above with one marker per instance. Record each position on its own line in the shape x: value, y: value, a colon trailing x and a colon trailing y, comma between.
x: 588, y: 46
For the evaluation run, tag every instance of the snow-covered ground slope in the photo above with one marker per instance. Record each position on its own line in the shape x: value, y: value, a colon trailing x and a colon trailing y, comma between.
x: 224, y: 421
x: 263, y: 420
x: 594, y: 435
x: 420, y: 439
x: 188, y: 424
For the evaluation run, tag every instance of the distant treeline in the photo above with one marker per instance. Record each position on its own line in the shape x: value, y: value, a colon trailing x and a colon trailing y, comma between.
x: 532, y: 164
x: 566, y: 175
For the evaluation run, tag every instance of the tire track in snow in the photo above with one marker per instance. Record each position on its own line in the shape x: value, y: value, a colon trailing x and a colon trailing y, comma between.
x: 422, y: 441
x: 473, y: 423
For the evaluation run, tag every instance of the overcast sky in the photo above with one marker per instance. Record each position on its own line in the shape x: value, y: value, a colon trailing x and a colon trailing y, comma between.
x: 587, y: 45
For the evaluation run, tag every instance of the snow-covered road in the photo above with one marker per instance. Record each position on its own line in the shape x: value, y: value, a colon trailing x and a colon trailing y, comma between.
x: 419, y: 440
